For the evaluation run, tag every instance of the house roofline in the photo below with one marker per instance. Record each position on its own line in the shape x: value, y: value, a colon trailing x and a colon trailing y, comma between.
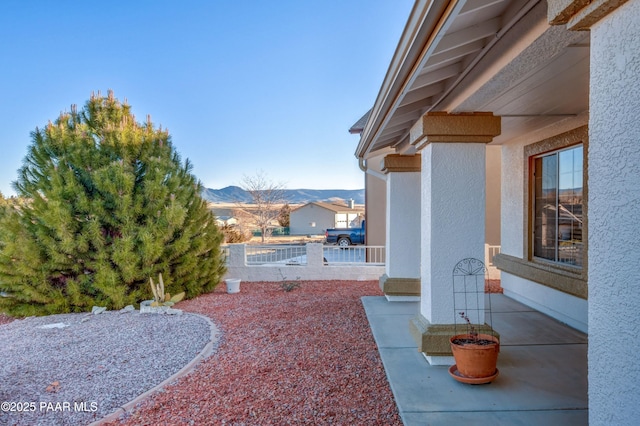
x: 426, y: 20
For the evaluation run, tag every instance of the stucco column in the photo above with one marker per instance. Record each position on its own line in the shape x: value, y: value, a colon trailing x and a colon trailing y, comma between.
x: 453, y: 203
x: 402, y: 249
x: 614, y: 203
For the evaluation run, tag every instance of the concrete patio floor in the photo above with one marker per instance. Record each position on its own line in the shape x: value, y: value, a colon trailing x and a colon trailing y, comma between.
x: 542, y: 364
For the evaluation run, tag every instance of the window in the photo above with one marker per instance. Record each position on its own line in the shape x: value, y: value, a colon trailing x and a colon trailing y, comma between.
x: 555, y: 205
x: 558, y: 206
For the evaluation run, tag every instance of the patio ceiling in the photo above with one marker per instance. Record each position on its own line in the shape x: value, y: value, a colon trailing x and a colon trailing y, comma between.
x: 480, y: 55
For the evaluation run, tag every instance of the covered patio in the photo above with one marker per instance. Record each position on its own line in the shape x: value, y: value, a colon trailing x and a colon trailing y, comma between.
x: 542, y: 364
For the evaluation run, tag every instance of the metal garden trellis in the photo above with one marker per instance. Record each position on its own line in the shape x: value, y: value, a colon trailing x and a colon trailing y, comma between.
x: 469, y: 278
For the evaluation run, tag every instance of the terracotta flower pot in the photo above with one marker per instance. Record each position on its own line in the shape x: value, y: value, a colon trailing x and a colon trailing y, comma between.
x: 473, y: 360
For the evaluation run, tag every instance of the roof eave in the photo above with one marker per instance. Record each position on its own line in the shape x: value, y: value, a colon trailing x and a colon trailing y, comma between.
x: 422, y: 26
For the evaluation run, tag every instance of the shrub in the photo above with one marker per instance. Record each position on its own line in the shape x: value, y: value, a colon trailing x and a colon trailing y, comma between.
x: 233, y: 234
x: 109, y: 204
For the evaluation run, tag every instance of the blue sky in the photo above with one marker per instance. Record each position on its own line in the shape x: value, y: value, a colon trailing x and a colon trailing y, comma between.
x: 242, y: 86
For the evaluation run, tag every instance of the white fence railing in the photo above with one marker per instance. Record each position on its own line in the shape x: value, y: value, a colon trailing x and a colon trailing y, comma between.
x: 369, y: 255
x: 315, y: 261
x: 311, y: 261
x: 276, y: 254
x: 489, y: 253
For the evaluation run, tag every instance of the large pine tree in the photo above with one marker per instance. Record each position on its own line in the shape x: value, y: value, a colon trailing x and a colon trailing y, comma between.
x: 109, y: 204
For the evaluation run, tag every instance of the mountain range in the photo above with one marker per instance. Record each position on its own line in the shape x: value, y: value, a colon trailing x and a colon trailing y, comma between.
x: 235, y: 194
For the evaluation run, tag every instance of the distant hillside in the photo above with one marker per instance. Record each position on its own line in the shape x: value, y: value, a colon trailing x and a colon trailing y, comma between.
x: 234, y: 194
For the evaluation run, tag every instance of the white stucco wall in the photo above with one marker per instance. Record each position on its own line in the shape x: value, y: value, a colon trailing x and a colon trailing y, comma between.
x: 403, y: 227
x: 614, y: 219
x: 512, y: 202
x: 565, y: 308
x: 453, y: 218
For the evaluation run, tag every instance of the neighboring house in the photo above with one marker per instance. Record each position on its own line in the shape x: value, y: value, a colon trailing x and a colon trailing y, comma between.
x: 313, y: 218
x: 226, y: 220
x: 224, y: 215
x: 553, y: 86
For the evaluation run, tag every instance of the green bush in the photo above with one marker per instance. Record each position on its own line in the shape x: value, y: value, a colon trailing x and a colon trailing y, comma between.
x: 109, y: 204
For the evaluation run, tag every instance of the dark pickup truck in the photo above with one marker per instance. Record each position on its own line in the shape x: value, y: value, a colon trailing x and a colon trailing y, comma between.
x: 345, y: 236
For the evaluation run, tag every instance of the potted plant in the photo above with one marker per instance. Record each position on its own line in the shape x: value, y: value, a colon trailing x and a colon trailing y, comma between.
x: 476, y: 355
x: 161, y: 302
x: 476, y: 350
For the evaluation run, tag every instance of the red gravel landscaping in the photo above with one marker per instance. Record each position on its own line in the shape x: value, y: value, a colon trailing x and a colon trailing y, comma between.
x: 300, y: 357
x: 5, y: 319
x: 492, y: 286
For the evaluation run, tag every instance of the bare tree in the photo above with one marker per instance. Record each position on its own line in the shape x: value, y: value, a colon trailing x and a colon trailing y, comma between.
x: 268, y: 198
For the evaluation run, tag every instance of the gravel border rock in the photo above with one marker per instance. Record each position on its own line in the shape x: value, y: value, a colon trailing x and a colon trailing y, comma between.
x: 75, y: 369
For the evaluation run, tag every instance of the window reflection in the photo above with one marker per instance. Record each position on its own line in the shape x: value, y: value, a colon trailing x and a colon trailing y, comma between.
x: 557, y: 227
